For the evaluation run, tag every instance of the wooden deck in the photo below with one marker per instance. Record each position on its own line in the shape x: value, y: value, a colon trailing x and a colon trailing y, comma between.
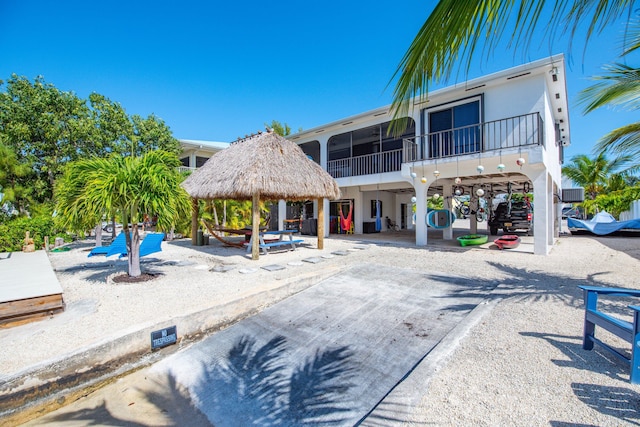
x: 29, y: 289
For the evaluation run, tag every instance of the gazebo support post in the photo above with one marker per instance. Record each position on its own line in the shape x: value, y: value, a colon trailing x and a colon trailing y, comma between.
x: 255, y: 229
x: 194, y: 221
x: 320, y: 223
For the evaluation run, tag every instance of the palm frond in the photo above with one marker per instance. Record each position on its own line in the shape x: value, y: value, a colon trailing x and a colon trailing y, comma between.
x: 625, y: 139
x: 455, y: 30
x: 619, y: 87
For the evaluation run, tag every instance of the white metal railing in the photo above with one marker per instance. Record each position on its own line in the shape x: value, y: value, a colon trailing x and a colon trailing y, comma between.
x: 517, y: 131
x: 368, y: 164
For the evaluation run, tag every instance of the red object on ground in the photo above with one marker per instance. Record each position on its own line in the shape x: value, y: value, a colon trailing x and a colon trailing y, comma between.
x: 508, y: 241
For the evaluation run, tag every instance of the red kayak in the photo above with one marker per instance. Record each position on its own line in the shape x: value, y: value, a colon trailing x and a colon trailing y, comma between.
x: 508, y: 241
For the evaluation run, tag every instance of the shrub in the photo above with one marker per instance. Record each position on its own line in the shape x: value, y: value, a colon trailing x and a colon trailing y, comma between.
x: 12, y: 232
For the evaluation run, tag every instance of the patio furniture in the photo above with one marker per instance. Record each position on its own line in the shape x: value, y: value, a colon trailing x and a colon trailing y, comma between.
x: 628, y: 331
x: 119, y: 242
x: 150, y: 244
x: 281, y: 241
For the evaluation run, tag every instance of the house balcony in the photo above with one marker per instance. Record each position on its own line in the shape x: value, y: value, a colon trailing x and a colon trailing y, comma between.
x: 514, y: 132
x: 185, y: 169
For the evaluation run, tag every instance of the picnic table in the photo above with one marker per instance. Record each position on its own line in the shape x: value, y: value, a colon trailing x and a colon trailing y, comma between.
x: 275, y: 238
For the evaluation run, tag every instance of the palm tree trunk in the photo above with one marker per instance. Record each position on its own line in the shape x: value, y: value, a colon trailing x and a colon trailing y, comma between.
x: 99, y: 235
x: 215, y: 214
x: 224, y: 213
x: 133, y: 251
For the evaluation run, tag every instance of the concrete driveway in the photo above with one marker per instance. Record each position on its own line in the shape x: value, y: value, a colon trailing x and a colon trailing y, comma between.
x: 329, y: 355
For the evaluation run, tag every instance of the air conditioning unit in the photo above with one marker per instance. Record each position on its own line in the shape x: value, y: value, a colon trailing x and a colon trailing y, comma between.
x: 573, y: 195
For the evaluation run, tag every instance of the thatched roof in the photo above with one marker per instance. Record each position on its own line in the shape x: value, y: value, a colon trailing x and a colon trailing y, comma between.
x: 267, y: 164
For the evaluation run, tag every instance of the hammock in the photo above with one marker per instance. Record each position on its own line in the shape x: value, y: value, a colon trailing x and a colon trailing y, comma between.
x: 217, y: 231
x: 345, y: 222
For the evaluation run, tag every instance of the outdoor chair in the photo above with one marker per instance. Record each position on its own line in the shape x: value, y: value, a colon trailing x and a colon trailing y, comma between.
x: 119, y: 242
x: 150, y: 244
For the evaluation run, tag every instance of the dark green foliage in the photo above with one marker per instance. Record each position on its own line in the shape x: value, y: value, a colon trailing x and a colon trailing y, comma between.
x: 46, y: 128
x: 12, y: 233
x: 614, y: 202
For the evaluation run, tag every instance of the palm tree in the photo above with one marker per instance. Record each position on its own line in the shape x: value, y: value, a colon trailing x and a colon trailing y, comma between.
x: 456, y: 29
x: 595, y: 175
x: 620, y: 87
x: 129, y: 186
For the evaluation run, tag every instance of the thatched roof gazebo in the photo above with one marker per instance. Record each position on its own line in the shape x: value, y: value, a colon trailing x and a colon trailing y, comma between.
x: 265, y: 166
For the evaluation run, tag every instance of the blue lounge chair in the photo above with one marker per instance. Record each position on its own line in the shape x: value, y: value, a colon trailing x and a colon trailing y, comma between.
x: 119, y: 242
x: 150, y: 244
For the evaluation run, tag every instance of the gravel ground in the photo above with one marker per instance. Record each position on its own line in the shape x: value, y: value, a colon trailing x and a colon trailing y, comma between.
x: 522, y: 364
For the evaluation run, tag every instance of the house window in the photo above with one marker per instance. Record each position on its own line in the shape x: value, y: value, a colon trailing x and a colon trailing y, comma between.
x: 200, y: 161
x: 340, y: 146
x: 454, y: 129
x: 369, y: 140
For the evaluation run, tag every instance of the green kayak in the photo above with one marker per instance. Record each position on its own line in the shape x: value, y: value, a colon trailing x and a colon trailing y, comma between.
x: 473, y: 239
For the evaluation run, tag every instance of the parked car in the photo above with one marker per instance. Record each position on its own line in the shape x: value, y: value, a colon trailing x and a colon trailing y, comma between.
x: 570, y: 212
x: 519, y: 217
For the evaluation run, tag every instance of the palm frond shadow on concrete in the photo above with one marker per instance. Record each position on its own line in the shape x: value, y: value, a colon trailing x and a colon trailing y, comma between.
x: 256, y: 385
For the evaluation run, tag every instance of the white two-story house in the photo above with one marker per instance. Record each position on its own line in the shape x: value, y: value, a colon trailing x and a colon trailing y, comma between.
x: 504, y: 130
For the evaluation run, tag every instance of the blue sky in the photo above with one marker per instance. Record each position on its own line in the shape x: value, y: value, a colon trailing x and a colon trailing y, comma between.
x: 220, y: 70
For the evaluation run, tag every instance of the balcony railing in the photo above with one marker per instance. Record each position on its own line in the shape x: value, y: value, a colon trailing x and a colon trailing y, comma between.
x: 518, y: 131
x: 185, y: 169
x: 386, y: 161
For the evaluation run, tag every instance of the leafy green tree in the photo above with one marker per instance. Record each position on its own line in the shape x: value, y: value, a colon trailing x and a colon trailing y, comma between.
x: 47, y: 128
x: 455, y: 30
x: 129, y: 186
x: 596, y: 174
x: 152, y: 133
x: 12, y: 173
x: 614, y: 202
x: 111, y: 126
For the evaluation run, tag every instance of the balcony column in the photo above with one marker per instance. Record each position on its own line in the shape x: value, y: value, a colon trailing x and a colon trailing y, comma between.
x: 542, y: 212
x: 421, y: 212
x: 324, y: 154
x: 473, y: 224
x: 447, y: 233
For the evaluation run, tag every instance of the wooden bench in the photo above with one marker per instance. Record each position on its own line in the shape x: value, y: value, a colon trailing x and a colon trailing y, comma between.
x: 628, y: 331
